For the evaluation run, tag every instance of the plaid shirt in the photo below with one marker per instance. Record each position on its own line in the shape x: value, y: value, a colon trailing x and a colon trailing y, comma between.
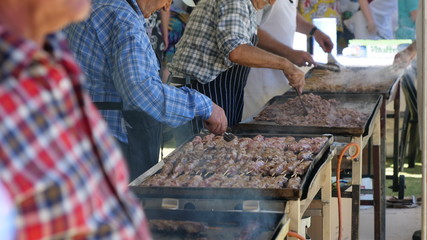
x: 62, y: 169
x: 116, y: 55
x: 216, y: 28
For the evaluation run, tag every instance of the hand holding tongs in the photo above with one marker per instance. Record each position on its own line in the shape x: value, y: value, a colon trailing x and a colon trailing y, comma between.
x: 302, y: 103
x: 227, y: 136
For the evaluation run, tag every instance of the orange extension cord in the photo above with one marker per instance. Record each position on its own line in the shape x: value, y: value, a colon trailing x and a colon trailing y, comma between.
x: 338, y: 182
x: 294, y: 234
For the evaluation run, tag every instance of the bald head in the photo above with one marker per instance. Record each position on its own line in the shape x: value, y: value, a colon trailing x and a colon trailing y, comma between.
x: 148, y: 7
x: 34, y: 19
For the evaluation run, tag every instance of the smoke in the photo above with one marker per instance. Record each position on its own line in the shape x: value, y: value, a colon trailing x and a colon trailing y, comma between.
x: 358, y: 80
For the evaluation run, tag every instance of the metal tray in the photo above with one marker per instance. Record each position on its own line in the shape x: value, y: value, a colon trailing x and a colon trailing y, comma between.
x: 323, y: 156
x: 367, y: 103
x: 221, y: 225
x: 316, y: 81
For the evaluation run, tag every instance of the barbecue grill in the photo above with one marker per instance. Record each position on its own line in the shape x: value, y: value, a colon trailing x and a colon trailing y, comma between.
x: 368, y: 103
x: 364, y: 103
x: 231, y: 212
x: 388, y: 85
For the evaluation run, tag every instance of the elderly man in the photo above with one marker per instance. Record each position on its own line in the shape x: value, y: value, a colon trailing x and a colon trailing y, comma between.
x: 62, y: 171
x: 118, y: 59
x: 218, y: 47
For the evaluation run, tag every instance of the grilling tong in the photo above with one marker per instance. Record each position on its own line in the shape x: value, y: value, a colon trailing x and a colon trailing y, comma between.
x: 302, y: 103
x: 228, y: 136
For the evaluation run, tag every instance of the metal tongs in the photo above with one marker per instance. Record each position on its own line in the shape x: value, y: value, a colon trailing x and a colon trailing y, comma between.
x: 302, y: 103
x: 227, y: 136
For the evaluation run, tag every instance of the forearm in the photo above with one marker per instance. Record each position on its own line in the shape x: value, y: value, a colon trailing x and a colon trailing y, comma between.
x: 412, y: 49
x: 251, y: 56
x: 364, y: 7
x: 414, y: 15
x: 303, y: 26
x: 165, y: 18
x: 272, y: 45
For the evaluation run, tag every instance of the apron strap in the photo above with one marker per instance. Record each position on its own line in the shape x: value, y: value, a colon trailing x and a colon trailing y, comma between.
x: 109, y: 105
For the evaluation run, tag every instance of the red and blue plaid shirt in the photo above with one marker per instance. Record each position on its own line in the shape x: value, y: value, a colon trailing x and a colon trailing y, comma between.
x: 58, y: 163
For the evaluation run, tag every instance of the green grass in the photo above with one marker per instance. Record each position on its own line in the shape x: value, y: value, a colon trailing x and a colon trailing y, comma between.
x: 413, y: 179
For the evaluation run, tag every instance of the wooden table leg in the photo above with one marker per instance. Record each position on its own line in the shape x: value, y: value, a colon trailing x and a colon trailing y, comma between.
x: 326, y: 201
x: 294, y: 211
x: 356, y: 180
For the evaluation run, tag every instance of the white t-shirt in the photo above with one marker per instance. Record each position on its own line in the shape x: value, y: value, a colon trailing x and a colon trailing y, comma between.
x: 384, y: 13
x: 279, y: 21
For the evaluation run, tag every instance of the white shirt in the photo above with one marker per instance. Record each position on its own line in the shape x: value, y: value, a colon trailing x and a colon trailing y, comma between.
x: 279, y: 21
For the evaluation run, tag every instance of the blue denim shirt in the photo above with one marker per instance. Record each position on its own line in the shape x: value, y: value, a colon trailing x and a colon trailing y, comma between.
x: 115, y: 53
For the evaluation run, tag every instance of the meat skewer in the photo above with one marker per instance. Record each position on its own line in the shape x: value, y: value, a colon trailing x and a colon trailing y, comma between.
x: 258, y: 162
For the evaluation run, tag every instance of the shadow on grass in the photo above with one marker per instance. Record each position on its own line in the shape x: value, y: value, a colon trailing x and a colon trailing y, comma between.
x: 413, y: 179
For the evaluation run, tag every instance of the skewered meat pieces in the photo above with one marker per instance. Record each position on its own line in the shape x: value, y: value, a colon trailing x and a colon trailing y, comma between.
x: 250, y: 230
x: 302, y: 168
x: 294, y: 183
x: 188, y: 227
x: 259, y: 162
x: 290, y: 167
x: 305, y: 155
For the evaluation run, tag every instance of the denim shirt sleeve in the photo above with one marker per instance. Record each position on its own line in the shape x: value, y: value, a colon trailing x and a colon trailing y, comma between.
x: 136, y: 77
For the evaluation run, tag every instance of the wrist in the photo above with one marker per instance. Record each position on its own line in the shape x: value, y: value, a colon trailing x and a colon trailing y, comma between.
x: 312, y: 31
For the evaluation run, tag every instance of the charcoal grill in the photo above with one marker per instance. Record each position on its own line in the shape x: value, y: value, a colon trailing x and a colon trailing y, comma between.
x: 366, y: 103
x: 227, y: 211
x: 390, y: 90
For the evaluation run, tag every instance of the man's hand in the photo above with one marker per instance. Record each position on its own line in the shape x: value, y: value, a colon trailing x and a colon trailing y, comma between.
x: 372, y: 28
x: 301, y: 58
x: 323, y: 40
x: 295, y: 77
x: 217, y: 122
x: 405, y: 57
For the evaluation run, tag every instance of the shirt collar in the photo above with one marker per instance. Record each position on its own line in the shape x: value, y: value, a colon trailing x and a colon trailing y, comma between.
x: 135, y: 7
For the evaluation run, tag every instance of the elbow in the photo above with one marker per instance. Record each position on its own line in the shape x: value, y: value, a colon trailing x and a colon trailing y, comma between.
x: 236, y: 54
